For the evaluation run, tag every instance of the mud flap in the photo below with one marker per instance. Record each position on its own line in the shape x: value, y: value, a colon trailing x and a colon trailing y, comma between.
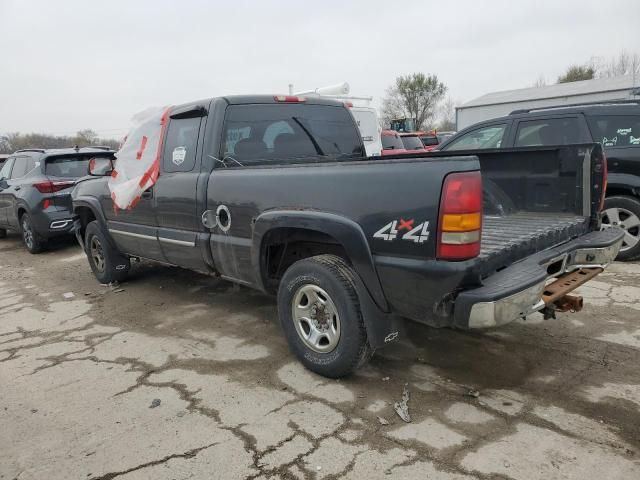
x: 382, y: 328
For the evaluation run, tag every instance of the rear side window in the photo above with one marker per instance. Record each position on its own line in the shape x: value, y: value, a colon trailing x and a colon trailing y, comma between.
x: 22, y: 166
x: 615, y: 130
x: 481, y: 138
x: 548, y: 131
x: 412, y: 143
x: 6, y: 168
x: 291, y: 131
x: 392, y: 142
x: 74, y: 166
x: 429, y: 141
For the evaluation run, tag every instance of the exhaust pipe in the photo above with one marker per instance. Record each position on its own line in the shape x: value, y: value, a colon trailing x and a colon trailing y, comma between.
x: 569, y: 303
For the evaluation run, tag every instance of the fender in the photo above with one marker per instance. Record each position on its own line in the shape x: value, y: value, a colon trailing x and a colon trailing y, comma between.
x: 94, y: 205
x: 344, y: 230
x: 624, y: 181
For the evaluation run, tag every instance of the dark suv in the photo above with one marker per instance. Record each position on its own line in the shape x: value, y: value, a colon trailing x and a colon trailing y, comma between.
x: 616, y: 125
x: 35, y: 187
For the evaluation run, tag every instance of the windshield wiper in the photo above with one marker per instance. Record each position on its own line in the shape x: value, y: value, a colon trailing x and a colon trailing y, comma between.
x: 310, y: 135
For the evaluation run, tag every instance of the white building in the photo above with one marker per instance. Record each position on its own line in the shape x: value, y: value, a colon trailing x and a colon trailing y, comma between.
x: 499, y: 104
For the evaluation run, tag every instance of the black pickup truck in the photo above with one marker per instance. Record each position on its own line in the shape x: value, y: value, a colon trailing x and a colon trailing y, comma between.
x: 275, y: 193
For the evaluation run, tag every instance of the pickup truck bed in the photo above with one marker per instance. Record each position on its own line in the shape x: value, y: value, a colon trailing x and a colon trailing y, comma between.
x: 508, y: 238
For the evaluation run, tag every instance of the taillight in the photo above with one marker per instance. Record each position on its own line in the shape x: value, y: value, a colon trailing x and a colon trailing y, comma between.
x: 460, y: 221
x: 52, y: 187
x: 348, y: 104
x: 605, y: 179
x: 289, y: 99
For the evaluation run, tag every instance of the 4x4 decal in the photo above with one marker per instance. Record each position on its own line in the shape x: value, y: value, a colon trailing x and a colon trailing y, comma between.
x: 418, y: 233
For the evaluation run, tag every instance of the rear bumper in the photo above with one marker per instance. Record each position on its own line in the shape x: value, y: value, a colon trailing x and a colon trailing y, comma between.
x: 53, y: 223
x: 517, y: 290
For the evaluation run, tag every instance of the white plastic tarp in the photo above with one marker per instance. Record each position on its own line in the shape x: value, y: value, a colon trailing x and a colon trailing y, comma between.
x: 138, y: 161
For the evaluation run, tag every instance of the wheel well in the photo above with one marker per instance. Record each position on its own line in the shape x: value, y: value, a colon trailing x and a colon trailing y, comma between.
x: 624, y: 191
x: 281, y: 247
x: 86, y: 217
x: 21, y: 211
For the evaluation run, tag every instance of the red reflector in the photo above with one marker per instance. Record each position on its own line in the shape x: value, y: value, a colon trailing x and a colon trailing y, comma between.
x: 459, y: 252
x: 52, y: 187
x: 462, y: 196
x: 348, y: 104
x: 289, y: 99
x: 46, y: 203
x: 605, y: 180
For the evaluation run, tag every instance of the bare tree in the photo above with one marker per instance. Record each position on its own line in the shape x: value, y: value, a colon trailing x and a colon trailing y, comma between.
x: 11, y: 142
x: 413, y: 96
x: 447, y: 115
x: 540, y: 82
x: 624, y: 64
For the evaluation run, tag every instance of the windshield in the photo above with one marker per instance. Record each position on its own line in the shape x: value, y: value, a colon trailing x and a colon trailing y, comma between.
x: 70, y: 166
x: 615, y: 130
x: 392, y: 142
x: 288, y: 131
x: 412, y: 143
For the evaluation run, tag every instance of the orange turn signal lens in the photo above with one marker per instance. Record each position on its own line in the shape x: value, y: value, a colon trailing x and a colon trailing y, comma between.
x: 461, y: 222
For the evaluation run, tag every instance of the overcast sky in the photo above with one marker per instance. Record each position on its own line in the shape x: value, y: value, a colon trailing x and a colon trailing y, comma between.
x: 69, y: 65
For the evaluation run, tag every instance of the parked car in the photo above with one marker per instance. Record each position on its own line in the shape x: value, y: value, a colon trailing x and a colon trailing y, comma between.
x: 35, y: 188
x: 349, y: 244
x: 392, y: 143
x: 412, y: 143
x: 615, y: 125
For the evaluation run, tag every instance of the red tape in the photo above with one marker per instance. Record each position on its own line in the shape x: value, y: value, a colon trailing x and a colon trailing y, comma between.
x: 142, y: 147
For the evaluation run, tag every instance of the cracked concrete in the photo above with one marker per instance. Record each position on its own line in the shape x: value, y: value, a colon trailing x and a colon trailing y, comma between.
x: 80, y: 376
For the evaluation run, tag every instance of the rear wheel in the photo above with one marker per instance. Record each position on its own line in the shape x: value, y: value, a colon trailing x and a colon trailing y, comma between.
x: 107, y: 263
x: 30, y: 237
x: 320, y: 314
x: 624, y: 212
x: 3, y: 233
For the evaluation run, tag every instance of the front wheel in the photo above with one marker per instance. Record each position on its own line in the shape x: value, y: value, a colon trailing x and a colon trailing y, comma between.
x: 30, y: 238
x: 624, y: 212
x: 320, y: 314
x: 107, y: 264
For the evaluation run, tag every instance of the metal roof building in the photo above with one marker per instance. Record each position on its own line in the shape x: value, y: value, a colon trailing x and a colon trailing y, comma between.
x: 499, y: 104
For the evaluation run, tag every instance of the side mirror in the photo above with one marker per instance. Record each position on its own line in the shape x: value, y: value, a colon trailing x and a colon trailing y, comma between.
x: 100, y: 166
x: 3, y: 183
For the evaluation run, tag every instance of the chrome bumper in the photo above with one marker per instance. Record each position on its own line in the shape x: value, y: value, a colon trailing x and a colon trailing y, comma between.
x: 529, y: 300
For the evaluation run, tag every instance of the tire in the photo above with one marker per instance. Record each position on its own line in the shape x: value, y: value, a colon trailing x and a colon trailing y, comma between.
x: 625, y: 213
x: 32, y: 241
x: 3, y: 233
x: 326, y: 332
x: 107, y: 263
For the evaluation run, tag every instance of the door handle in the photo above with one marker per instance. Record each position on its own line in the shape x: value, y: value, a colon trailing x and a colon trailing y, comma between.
x: 148, y: 193
x: 17, y: 188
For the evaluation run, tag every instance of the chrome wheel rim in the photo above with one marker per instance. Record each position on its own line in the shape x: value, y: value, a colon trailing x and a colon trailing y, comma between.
x: 316, y: 319
x: 625, y: 219
x: 27, y: 233
x: 97, y: 255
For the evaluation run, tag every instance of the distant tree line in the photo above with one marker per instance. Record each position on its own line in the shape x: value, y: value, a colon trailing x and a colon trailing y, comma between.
x: 624, y: 64
x: 11, y: 142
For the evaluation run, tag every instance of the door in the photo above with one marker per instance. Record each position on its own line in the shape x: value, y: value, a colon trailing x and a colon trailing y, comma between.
x: 5, y: 201
x: 134, y: 230
x: 16, y: 188
x: 175, y: 192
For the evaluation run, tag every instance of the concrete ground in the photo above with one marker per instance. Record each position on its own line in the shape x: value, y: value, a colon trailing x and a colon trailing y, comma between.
x: 175, y: 375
